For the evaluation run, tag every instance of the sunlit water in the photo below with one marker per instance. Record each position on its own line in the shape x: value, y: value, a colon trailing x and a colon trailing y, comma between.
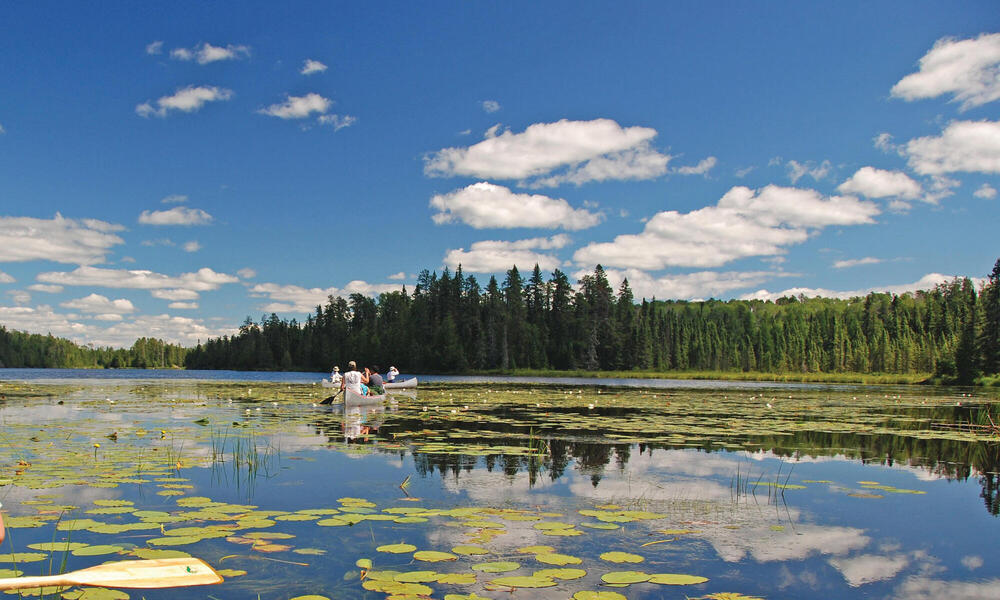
x: 771, y: 492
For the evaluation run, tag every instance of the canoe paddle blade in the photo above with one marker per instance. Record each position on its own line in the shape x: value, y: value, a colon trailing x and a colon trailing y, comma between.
x: 157, y: 573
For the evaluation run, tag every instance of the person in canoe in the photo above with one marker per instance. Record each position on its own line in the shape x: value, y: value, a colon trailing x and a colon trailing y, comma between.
x: 354, y: 380
x: 335, y: 376
x: 391, y: 375
x: 374, y: 381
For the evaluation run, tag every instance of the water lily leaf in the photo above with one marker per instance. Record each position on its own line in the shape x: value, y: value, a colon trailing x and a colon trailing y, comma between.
x: 470, y: 550
x: 231, y: 572
x: 524, y: 581
x: 608, y: 526
x: 396, y: 548
x: 151, y: 553
x: 565, y: 574
x: 25, y: 522
x: 622, y: 557
x: 110, y: 510
x: 175, y: 540
x: 5, y: 573
x: 310, y: 551
x: 410, y: 519
x: 296, y: 517
x: 396, y: 587
x: 554, y: 558
x: 269, y: 535
x: 22, y: 557
x: 308, y: 597
x: 625, y: 577
x: 472, y: 596
x: 549, y: 525
x: 57, y: 546
x: 565, y: 531
x: 536, y: 550
x: 96, y: 594
x: 496, y: 567
x: 271, y: 547
x: 363, y: 563
x: 676, y: 579
x: 589, y: 595
x: 417, y: 577
x: 97, y: 550
x: 332, y: 522
x: 434, y: 556
x: 113, y: 503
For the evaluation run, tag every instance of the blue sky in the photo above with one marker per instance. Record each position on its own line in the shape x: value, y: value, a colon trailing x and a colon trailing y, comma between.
x: 168, y: 169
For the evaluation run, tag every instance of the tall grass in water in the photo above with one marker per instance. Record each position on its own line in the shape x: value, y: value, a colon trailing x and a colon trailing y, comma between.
x: 247, y: 456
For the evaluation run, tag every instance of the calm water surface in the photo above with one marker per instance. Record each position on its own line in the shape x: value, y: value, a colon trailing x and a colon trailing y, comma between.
x: 785, y: 491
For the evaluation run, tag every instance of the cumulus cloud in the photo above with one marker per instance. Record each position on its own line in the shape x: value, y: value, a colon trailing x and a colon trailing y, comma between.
x: 855, y: 262
x: 2, y: 130
x: 192, y: 246
x: 926, y: 282
x: 187, y: 100
x: 867, y: 568
x: 203, y: 280
x: 969, y: 70
x: 174, y: 199
x: 877, y: 183
x: 183, y: 305
x: 925, y: 588
x: 493, y: 256
x: 986, y: 192
x: 178, y: 215
x: 247, y: 273
x: 686, y: 286
x: 75, y: 241
x: 592, y: 150
x: 797, y: 170
x: 5, y: 278
x: 154, y: 47
x: 298, y: 107
x: 485, y: 205
x: 293, y: 298
x: 397, y: 276
x: 95, y: 303
x: 311, y: 66
x: 176, y: 294
x: 970, y: 146
x: 338, y: 122
x: 702, y: 168
x: 19, y: 296
x: 491, y: 106
x: 207, y: 53
x: 48, y: 289
x: 744, y: 223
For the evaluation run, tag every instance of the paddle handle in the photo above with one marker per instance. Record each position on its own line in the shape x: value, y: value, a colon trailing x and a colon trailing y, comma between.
x: 19, y: 583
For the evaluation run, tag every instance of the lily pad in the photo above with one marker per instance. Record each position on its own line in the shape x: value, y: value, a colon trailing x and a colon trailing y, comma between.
x: 564, y: 574
x: 417, y: 577
x: 590, y: 595
x: 97, y: 550
x: 457, y: 579
x: 524, y: 581
x: 396, y: 548
x: 554, y: 558
x: 96, y: 594
x: 57, y: 546
x: 434, y: 556
x: 470, y: 550
x: 676, y: 579
x: 496, y: 567
x: 625, y: 577
x: 622, y: 557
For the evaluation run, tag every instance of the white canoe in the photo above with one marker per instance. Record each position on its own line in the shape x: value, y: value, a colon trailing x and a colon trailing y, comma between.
x: 329, y: 384
x: 355, y: 398
x: 401, y: 385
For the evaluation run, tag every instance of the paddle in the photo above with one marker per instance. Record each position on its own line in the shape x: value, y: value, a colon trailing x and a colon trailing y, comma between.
x: 158, y: 573
x: 331, y: 398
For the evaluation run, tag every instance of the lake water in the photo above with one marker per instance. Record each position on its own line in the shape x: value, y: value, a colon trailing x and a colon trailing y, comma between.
x: 667, y: 489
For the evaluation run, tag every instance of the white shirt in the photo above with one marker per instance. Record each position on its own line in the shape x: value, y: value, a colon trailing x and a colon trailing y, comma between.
x: 335, y: 377
x: 352, y: 381
x: 391, y: 375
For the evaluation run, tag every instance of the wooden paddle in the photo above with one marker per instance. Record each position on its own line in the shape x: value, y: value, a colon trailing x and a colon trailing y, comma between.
x: 158, y: 573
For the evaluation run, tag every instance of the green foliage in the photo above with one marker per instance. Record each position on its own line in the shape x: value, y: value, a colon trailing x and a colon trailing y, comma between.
x: 29, y: 350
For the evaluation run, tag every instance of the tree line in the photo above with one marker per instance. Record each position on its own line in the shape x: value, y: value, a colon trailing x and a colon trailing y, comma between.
x: 31, y: 350
x: 452, y: 324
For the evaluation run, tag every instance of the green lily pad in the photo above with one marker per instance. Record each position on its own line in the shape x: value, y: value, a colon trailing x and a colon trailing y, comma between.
x: 96, y: 594
x: 524, y: 581
x: 470, y: 550
x: 5, y: 573
x: 396, y: 548
x: 434, y: 556
x: 625, y: 577
x: 622, y: 557
x: 22, y: 557
x: 536, y: 550
x: 554, y: 558
x: 417, y: 577
x: 676, y: 579
x: 496, y: 567
x: 97, y: 550
x: 151, y: 553
x: 57, y: 546
x: 310, y: 597
x: 589, y: 595
x: 231, y: 572
x: 363, y: 563
x: 457, y: 579
x: 310, y: 551
x: 564, y: 574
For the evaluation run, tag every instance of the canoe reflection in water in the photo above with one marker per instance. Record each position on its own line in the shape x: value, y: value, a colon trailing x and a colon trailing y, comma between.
x: 361, y: 420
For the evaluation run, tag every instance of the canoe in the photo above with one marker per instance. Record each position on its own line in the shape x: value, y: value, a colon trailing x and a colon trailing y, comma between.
x: 355, y: 398
x: 329, y: 384
x: 401, y: 385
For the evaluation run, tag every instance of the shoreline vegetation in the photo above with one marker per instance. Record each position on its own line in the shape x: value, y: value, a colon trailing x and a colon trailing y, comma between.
x: 947, y: 335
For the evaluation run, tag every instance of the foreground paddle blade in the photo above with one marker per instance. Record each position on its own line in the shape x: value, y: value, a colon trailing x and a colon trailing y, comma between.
x: 158, y: 573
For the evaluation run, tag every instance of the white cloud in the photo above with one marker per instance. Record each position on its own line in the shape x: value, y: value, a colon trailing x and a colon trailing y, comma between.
x: 877, y: 183
x: 855, y: 262
x: 338, y: 122
x: 686, y: 286
x: 174, y: 199
x: 967, y: 69
x: 970, y: 146
x: 178, y: 215
x: 972, y: 562
x: 806, y: 541
x: 925, y: 588
x: 926, y: 282
x: 95, y: 303
x: 207, y: 53
x: 247, y: 273
x: 183, y: 305
x: 866, y: 568
x: 177, y: 294
x: 293, y: 298
x: 397, y: 276
x: 298, y: 107
x: 19, y: 296
x: 187, y: 100
x: 154, y: 47
x: 2, y: 130
x: 485, y: 205
x: 311, y: 66
x: 883, y: 142
x: 41, y: 319
x: 594, y: 150
x: 76, y: 241
x: 192, y: 246
x: 491, y: 106
x: 744, y: 223
x: 203, y: 280
x: 797, y: 170
x: 6, y: 278
x: 49, y: 289
x: 158, y: 242
x: 702, y: 168
x: 986, y: 192
x: 493, y: 256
